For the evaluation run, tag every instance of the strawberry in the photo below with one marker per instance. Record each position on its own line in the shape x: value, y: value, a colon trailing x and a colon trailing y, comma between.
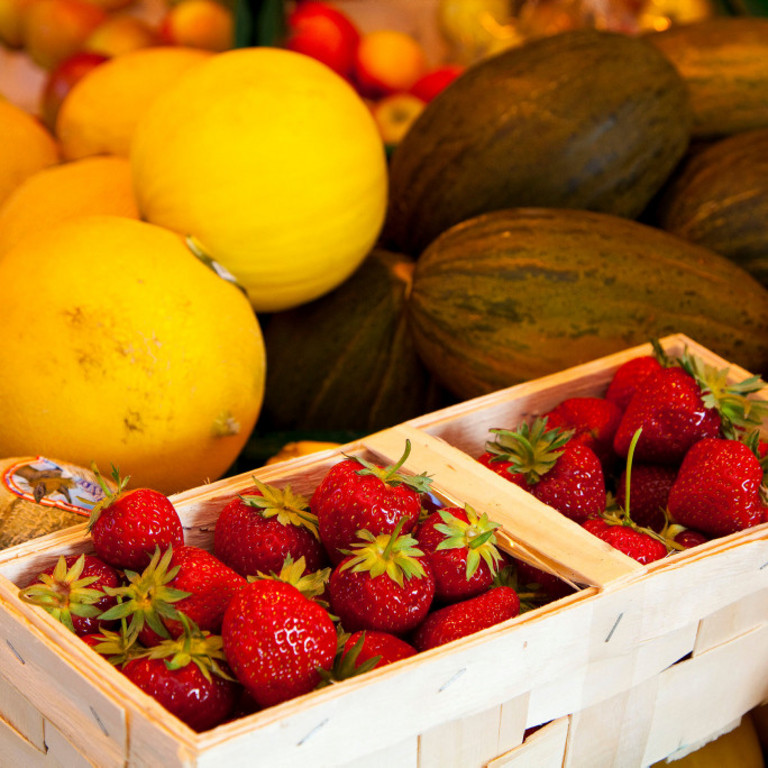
x: 594, y: 421
x: 651, y: 484
x: 682, y: 404
x: 466, y: 617
x: 363, y: 651
x: 616, y: 527
x: 259, y: 529
x: 73, y: 591
x: 628, y: 377
x: 357, y: 495
x: 460, y: 548
x: 276, y: 640
x: 187, y: 580
x: 126, y: 526
x: 381, y: 648
x: 384, y: 584
x: 717, y: 490
x: 687, y: 538
x: 637, y: 544
x: 189, y: 677
x: 562, y: 473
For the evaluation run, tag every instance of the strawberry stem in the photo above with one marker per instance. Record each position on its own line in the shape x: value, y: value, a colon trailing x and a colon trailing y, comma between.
x: 393, y: 537
x: 628, y: 474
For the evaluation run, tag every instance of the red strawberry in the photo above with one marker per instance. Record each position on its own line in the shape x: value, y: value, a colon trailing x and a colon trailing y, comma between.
x: 679, y: 405
x: 381, y: 648
x: 717, y: 490
x: 460, y: 548
x: 126, y: 526
x: 383, y: 585
x: 188, y: 580
x: 594, y: 421
x: 276, y: 640
x: 259, y: 529
x: 189, y: 677
x: 628, y: 377
x: 633, y: 542
x: 651, y: 484
x: 562, y: 473
x: 72, y: 591
x: 688, y: 538
x: 357, y: 495
x: 670, y: 410
x: 466, y: 617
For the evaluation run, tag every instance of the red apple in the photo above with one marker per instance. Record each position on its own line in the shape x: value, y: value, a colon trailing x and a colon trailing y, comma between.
x: 61, y: 80
x: 325, y: 33
x: 430, y: 84
x: 388, y: 61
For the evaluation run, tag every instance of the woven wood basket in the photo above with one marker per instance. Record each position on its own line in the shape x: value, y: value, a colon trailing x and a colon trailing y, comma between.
x: 638, y: 665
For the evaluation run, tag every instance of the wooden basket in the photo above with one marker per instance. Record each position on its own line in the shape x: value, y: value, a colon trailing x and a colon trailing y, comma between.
x: 639, y: 664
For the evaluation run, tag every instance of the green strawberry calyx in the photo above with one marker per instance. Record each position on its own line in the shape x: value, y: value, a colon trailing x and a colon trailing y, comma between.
x: 476, y: 534
x: 531, y: 449
x: 531, y: 595
x: 65, y: 592
x: 391, y: 474
x: 345, y: 664
x: 288, y: 507
x: 311, y: 585
x: 147, y: 598
x: 193, y: 646
x: 737, y: 410
x: 118, y: 647
x: 393, y: 554
x: 110, y: 495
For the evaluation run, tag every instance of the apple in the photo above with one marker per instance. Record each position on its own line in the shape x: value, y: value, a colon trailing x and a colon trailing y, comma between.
x: 120, y: 33
x: 394, y: 115
x: 388, y: 61
x: 60, y: 81
x: 206, y: 24
x: 54, y: 30
x: 431, y: 83
x: 323, y: 32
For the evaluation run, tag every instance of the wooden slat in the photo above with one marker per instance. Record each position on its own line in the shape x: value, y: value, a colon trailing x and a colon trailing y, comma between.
x: 21, y: 714
x: 543, y: 749
x: 15, y: 750
x: 566, y: 545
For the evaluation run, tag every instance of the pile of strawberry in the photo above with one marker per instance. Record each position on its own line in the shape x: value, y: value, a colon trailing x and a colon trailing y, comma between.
x: 670, y: 457
x: 296, y: 593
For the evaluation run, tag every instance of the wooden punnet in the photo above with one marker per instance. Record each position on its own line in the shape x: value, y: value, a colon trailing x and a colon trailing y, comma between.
x: 641, y: 663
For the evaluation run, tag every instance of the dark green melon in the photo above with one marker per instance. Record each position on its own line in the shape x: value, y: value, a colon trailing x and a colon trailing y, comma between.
x: 719, y: 200
x: 514, y: 295
x: 724, y: 62
x: 346, y: 361
x: 583, y: 119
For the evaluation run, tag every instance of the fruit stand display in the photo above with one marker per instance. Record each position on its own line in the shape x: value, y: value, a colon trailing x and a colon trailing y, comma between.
x: 495, y: 273
x: 634, y: 645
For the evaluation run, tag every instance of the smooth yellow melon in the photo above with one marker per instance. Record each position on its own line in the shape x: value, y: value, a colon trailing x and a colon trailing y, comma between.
x: 273, y: 163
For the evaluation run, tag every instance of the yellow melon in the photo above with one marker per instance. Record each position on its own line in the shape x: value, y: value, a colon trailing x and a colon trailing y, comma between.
x: 273, y: 163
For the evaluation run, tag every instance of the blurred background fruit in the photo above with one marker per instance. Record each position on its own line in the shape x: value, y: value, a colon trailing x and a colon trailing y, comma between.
x: 93, y: 185
x: 206, y: 24
x: 273, y: 163
x: 118, y: 34
x: 125, y: 349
